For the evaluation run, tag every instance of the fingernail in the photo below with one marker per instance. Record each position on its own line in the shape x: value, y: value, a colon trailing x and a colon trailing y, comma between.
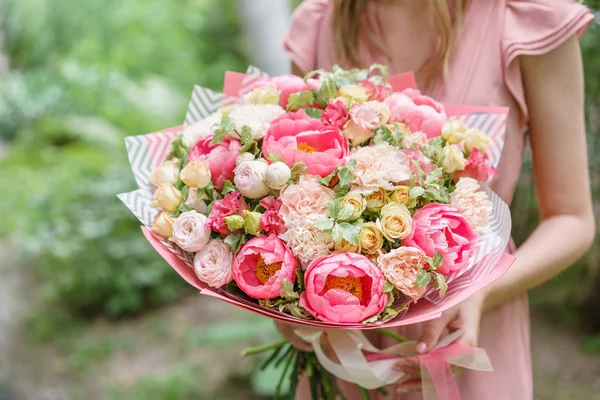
x: 421, y: 347
x: 401, y: 390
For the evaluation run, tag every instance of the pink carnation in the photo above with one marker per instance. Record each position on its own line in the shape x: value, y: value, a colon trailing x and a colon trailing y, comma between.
x: 425, y: 163
x: 418, y: 112
x: 231, y: 204
x: 381, y: 166
x: 441, y: 228
x: 376, y: 92
x: 306, y: 199
x: 271, y: 221
x: 343, y: 288
x: 401, y: 267
x: 220, y: 158
x: 335, y: 114
x: 288, y: 84
x: 295, y: 137
x: 477, y: 167
x: 261, y: 266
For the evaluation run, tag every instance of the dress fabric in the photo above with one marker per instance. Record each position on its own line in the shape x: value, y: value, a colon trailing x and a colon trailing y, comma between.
x: 484, y: 70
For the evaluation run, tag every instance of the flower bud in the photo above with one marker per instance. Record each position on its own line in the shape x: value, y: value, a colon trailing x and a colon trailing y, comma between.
x: 454, y: 131
x: 263, y: 95
x: 250, y: 179
x: 454, y: 159
x: 197, y: 201
x: 278, y: 175
x: 162, y: 225
x: 196, y: 174
x: 376, y: 200
x: 167, y: 197
x: 370, y: 238
x: 234, y: 222
x: 476, y: 139
x: 167, y: 172
x: 252, y: 222
x: 402, y: 195
x: 356, y: 92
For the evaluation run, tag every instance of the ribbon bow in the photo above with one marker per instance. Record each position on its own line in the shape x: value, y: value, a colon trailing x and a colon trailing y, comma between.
x: 377, y: 369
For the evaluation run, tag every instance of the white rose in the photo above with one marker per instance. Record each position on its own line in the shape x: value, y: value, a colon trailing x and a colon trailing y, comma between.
x: 250, y: 179
x: 278, y: 175
x: 213, y: 264
x: 190, y: 231
x: 244, y: 157
x: 454, y: 160
x: 167, y: 172
x: 197, y: 202
x: 196, y: 174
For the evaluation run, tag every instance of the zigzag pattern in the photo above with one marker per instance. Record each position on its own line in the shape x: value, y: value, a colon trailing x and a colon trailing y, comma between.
x: 138, y: 203
x: 494, y: 126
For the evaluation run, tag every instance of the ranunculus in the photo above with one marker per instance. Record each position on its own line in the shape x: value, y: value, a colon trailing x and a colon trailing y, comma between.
x: 370, y: 238
x: 231, y: 204
x: 376, y: 200
x: 358, y: 203
x: 401, y: 267
x: 200, y: 130
x: 167, y: 197
x: 418, y: 112
x: 288, y: 84
x: 454, y: 131
x: 472, y: 202
x: 162, y: 225
x: 261, y: 266
x: 250, y: 179
x: 376, y: 92
x: 296, y: 137
x: 263, y: 95
x: 271, y: 220
x: 454, y: 159
x: 190, y: 231
x: 335, y: 114
x: 381, y: 166
x: 476, y: 139
x: 213, y: 264
x: 257, y: 117
x: 306, y: 199
x: 278, y: 175
x: 220, y: 158
x: 477, y: 167
x: 244, y: 157
x: 196, y: 174
x: 395, y: 221
x: 167, y: 172
x: 306, y: 240
x: 343, y: 288
x: 354, y: 92
x: 441, y: 228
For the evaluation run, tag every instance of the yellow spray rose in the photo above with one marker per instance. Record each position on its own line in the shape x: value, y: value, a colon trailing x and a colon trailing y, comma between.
x: 370, y: 238
x: 358, y: 203
x: 356, y: 92
x: 454, y: 159
x: 376, y: 200
x: 396, y: 221
x: 263, y: 95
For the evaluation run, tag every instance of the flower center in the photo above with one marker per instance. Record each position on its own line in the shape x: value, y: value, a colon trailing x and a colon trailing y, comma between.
x: 265, y: 271
x: 306, y: 148
x: 348, y: 284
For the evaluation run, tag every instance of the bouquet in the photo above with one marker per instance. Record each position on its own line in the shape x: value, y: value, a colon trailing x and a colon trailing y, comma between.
x: 344, y: 199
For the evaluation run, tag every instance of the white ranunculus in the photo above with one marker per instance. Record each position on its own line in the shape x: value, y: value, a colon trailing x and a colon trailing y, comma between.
x: 250, y: 179
x: 257, y: 117
x: 278, y: 175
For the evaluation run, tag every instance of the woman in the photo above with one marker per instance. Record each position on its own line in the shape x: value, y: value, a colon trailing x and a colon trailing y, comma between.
x: 523, y: 54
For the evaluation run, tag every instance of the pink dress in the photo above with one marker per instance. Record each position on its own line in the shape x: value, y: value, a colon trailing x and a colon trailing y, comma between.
x: 484, y: 70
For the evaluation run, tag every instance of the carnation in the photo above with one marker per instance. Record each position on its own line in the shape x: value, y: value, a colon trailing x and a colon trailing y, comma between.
x: 257, y: 117
x: 306, y: 241
x: 381, y: 166
x: 472, y: 202
x: 401, y: 267
x: 200, y: 130
x: 306, y: 199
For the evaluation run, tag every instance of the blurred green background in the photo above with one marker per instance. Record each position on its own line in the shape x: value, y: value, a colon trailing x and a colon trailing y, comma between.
x: 87, y: 309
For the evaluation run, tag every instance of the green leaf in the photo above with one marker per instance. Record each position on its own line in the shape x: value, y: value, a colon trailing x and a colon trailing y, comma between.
x: 423, y: 278
x: 313, y: 112
x: 441, y: 283
x: 388, y: 286
x: 235, y: 241
x: 314, y: 73
x: 345, y: 176
x: 223, y: 130
x: 346, y: 213
x: 342, y: 192
x: 436, y: 261
x: 228, y: 187
x: 334, y: 207
x: 398, y: 134
x: 350, y: 232
x: 298, y: 169
x: 416, y: 191
x: 246, y: 135
x: 383, y: 135
x: 297, y: 100
x: 325, y: 181
x: 287, y: 290
x: 275, y: 158
x: 324, y: 224
x: 420, y: 172
x: 434, y: 175
x: 300, y: 277
x: 382, y: 70
x: 337, y: 233
x: 250, y: 147
x: 327, y: 91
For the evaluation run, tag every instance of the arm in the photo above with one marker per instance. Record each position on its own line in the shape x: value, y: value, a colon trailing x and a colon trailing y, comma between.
x: 296, y: 70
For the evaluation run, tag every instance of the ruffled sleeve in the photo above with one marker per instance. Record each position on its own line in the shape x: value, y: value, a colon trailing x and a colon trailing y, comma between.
x: 300, y: 41
x: 535, y: 27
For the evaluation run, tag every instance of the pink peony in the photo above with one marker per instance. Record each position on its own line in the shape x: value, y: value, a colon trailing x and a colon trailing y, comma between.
x: 296, y: 137
x: 477, y: 167
x: 441, y: 228
x: 288, y: 84
x: 335, y: 114
x: 305, y: 199
x: 376, y: 92
x: 381, y: 166
x: 213, y: 264
x: 343, y: 288
x: 220, y: 158
x: 401, y: 266
x: 230, y: 205
x: 418, y: 112
x: 271, y: 221
x: 261, y: 266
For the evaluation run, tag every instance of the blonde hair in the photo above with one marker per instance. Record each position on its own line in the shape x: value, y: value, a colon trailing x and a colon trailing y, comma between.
x: 348, y: 21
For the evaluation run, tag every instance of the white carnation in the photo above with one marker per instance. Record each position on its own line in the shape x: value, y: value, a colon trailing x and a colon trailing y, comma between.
x: 306, y: 241
x: 472, y: 202
x: 200, y: 130
x: 257, y: 117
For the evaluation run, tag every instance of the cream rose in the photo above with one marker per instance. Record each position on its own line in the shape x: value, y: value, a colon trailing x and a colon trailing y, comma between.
x: 167, y: 172
x: 402, y: 195
x: 263, y: 95
x: 213, y: 264
x: 454, y: 131
x: 162, y: 225
x: 396, y: 221
x: 167, y: 197
x: 370, y: 238
x: 344, y: 246
x: 190, y: 231
x: 358, y: 203
x: 356, y: 92
x: 401, y: 267
x: 376, y: 200
x: 476, y: 139
x: 250, y: 179
x: 278, y: 175
x: 472, y: 202
x: 382, y: 108
x: 196, y: 201
x: 196, y: 174
x: 454, y: 159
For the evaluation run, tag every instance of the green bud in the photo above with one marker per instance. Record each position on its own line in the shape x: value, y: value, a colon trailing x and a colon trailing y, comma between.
x: 252, y: 222
x: 234, y: 222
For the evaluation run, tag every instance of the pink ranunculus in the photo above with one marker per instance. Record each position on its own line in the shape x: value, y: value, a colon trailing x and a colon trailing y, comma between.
x: 212, y: 264
x: 343, y: 288
x: 220, y: 158
x: 295, y: 137
x: 477, y: 167
x: 306, y: 199
x: 261, y: 266
x: 271, y: 221
x: 190, y: 231
x: 376, y: 92
x: 288, y: 84
x: 418, y: 112
x: 335, y: 114
x: 441, y: 228
x: 231, y: 204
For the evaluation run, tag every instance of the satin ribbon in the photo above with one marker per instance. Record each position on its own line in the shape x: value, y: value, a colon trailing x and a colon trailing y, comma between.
x: 377, y: 369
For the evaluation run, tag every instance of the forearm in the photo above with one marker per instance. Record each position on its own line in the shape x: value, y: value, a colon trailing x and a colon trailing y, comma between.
x: 556, y: 244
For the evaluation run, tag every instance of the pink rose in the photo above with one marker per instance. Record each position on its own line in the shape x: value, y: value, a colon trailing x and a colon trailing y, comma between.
x: 305, y: 199
x: 230, y: 205
x: 343, y: 288
x: 213, y: 264
x: 477, y: 167
x: 335, y: 114
x: 401, y: 267
x: 190, y: 231
x: 271, y: 221
x: 288, y: 84
x: 418, y: 112
x: 296, y: 137
x: 220, y: 158
x: 376, y: 92
x: 261, y: 266
x: 441, y: 228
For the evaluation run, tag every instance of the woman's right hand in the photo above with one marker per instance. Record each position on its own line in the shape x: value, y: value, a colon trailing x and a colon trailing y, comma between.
x: 287, y: 331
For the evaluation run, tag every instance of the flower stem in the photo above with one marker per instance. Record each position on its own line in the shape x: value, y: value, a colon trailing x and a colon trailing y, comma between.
x: 393, y: 335
x: 262, y: 348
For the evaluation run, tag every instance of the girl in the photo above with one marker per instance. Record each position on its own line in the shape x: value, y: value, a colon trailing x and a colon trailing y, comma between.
x: 523, y: 54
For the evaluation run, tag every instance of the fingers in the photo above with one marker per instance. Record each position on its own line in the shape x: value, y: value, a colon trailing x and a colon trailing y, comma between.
x: 432, y: 332
x: 410, y: 366
x: 412, y: 384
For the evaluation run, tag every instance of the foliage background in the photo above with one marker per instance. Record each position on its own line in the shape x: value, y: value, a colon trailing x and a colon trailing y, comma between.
x: 84, y: 74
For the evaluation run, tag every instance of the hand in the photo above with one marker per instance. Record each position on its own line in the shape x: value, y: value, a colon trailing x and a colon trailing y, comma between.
x: 287, y: 331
